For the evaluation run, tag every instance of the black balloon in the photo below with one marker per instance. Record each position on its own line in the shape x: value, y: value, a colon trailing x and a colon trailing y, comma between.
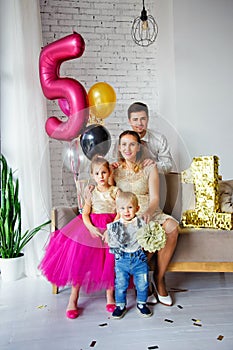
x: 95, y: 140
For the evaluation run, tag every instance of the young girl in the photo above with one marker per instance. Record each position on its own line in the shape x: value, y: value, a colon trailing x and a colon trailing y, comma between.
x: 77, y: 254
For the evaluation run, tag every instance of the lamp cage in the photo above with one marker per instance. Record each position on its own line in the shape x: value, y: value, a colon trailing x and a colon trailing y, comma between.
x: 144, y: 29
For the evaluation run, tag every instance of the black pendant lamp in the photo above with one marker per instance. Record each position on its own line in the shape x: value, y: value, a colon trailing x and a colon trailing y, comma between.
x: 144, y: 29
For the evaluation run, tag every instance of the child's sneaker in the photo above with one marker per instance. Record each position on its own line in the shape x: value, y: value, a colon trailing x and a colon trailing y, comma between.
x: 119, y: 312
x: 143, y: 310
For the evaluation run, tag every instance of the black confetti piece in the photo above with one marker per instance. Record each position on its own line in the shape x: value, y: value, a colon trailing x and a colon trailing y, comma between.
x: 92, y: 343
x: 177, y: 290
x: 180, y: 307
x: 153, y: 347
x: 103, y: 324
x: 197, y: 324
x: 167, y: 320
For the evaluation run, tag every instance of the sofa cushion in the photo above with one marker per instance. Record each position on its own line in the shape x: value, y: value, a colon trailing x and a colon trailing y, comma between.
x: 226, y: 196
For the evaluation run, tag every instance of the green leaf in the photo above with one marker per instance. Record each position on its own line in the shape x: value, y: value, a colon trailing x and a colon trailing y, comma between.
x: 12, y: 241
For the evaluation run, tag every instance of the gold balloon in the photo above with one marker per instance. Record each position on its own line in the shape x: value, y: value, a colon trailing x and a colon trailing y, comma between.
x: 102, y: 100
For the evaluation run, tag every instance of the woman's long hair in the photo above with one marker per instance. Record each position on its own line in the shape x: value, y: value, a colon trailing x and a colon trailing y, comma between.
x: 139, y: 154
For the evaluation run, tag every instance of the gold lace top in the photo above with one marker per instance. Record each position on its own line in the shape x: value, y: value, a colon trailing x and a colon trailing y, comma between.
x: 136, y: 182
x: 103, y: 202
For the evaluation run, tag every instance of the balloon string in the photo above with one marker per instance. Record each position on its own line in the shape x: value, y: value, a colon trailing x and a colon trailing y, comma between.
x: 78, y: 158
x: 79, y: 197
x: 72, y: 163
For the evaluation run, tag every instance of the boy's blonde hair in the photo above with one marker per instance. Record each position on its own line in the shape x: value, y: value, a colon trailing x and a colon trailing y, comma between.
x: 99, y: 160
x: 126, y: 197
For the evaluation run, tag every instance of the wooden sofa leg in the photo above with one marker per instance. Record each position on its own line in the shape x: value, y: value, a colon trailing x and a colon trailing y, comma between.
x: 55, y: 289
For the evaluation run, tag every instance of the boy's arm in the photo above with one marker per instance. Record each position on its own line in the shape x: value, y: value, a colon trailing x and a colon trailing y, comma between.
x: 111, y: 235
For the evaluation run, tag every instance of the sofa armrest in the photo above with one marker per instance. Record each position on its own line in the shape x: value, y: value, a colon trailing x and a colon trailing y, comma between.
x: 60, y: 216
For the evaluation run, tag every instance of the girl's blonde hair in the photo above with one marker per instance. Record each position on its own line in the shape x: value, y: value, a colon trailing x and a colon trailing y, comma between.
x: 126, y: 197
x: 99, y: 160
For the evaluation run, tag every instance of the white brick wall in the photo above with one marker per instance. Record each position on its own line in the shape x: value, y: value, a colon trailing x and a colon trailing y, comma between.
x: 110, y: 56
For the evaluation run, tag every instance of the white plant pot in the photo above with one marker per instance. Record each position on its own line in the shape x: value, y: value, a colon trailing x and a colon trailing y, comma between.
x: 12, y: 269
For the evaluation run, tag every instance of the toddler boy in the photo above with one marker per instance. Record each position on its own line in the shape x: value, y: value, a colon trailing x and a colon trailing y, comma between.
x: 130, y: 259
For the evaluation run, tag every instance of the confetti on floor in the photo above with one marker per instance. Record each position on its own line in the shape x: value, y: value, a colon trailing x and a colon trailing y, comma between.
x: 41, y: 306
x: 153, y: 347
x: 103, y: 324
x: 92, y: 343
x: 196, y: 322
x: 178, y: 290
x: 220, y: 337
x: 167, y: 320
x: 180, y: 307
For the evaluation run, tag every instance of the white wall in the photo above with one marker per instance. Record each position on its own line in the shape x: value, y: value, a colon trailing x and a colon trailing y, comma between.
x: 203, y: 51
x: 185, y: 76
x: 110, y: 56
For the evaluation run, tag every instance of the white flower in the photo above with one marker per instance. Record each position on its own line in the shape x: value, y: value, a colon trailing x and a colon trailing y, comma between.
x: 151, y: 237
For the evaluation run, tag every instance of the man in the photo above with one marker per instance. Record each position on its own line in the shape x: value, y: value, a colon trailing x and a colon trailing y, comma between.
x: 157, y: 145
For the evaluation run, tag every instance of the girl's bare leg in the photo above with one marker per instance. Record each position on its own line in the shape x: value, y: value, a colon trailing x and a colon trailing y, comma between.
x: 73, y: 300
x: 110, y: 296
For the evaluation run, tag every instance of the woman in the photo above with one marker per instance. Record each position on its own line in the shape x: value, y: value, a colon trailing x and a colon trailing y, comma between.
x: 130, y: 175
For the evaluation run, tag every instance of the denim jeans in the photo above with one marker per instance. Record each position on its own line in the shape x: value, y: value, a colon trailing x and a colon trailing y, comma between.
x: 127, y: 264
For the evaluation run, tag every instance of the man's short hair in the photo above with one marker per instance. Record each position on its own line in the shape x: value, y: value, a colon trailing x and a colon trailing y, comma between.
x: 137, y: 107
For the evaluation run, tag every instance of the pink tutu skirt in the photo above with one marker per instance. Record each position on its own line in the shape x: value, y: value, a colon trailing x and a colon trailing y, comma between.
x: 74, y: 257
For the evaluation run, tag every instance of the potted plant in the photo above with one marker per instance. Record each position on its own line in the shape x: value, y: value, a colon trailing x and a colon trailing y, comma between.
x: 12, y: 240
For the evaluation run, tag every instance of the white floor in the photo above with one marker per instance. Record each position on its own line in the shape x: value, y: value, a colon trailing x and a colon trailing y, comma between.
x: 31, y: 317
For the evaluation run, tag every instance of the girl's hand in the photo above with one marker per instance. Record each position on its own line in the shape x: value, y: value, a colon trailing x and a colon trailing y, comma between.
x: 95, y: 232
x: 105, y: 236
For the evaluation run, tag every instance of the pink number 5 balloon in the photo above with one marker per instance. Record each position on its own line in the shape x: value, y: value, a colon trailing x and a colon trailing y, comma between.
x: 55, y: 87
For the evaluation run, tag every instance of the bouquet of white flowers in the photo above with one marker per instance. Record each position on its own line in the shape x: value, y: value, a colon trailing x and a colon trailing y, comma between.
x: 151, y: 237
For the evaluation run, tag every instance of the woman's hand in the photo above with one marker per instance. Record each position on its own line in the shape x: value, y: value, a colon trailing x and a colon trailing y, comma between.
x: 146, y: 217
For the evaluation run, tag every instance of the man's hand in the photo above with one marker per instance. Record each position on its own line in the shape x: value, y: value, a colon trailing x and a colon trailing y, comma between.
x: 115, y: 165
x: 147, y: 162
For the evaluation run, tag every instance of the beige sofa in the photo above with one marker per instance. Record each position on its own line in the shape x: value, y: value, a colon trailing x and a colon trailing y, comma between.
x: 198, y: 250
